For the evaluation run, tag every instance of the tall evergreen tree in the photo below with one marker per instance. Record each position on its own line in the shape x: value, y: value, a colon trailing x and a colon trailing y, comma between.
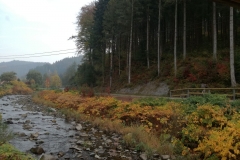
x: 175, y: 39
x: 130, y: 44
x: 159, y: 35
x: 98, y: 39
x: 232, y: 70
x: 184, y: 29
x: 111, y: 32
x: 147, y: 37
x: 129, y: 34
x: 214, y: 32
x: 84, y: 27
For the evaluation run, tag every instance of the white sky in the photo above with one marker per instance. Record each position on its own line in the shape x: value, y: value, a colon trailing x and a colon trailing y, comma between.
x: 37, y: 26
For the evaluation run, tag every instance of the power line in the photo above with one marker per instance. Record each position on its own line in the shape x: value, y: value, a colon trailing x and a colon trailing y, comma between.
x: 36, y: 53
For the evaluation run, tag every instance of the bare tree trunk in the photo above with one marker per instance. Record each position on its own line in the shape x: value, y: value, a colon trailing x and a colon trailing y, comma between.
x: 175, y: 42
x: 232, y: 71
x: 91, y: 57
x: 127, y: 50
x: 103, y: 63
x: 147, y: 50
x: 214, y: 32
x: 159, y: 33
x: 119, y: 55
x: 111, y: 63
x: 184, y: 30
x: 130, y: 47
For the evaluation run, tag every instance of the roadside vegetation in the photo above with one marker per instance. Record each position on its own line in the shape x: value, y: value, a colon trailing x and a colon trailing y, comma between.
x: 204, y: 127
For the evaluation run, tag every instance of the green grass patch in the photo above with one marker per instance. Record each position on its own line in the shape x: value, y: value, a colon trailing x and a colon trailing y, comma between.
x: 5, y: 133
x: 151, y: 101
x: 193, y: 102
x: 8, y: 152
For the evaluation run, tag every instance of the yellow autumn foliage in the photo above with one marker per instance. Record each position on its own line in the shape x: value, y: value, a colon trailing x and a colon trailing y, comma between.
x: 166, y: 118
x: 15, y: 87
x: 20, y: 87
x: 209, y: 130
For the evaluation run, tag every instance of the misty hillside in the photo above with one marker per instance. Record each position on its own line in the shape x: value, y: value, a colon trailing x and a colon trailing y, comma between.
x: 22, y: 67
x: 59, y: 66
x: 19, y: 67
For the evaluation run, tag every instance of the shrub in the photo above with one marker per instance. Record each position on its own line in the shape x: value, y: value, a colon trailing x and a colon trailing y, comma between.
x: 223, y: 143
x: 236, y: 105
x: 194, y: 101
x: 203, y: 119
x: 212, y: 132
x: 150, y: 101
x: 20, y: 88
x: 58, y: 90
x: 216, y: 99
x: 86, y: 91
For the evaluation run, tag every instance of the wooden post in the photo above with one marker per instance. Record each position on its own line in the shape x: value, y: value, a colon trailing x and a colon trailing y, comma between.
x: 170, y: 93
x: 188, y: 93
x: 234, y: 94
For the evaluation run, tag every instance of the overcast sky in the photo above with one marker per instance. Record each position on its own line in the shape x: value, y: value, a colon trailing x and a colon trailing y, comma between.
x: 29, y: 27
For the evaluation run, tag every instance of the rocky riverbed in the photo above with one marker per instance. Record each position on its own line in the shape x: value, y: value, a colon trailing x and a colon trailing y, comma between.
x: 43, y: 132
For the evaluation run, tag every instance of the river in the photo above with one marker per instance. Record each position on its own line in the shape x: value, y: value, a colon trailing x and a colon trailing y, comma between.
x: 42, y: 131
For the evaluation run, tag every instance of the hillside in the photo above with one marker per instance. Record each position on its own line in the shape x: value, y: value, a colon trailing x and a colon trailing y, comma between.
x: 128, y: 45
x: 19, y: 67
x: 59, y: 66
x: 198, y: 68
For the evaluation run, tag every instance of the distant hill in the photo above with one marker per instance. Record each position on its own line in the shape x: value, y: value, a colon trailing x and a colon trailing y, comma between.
x: 19, y: 67
x: 22, y: 67
x: 59, y: 66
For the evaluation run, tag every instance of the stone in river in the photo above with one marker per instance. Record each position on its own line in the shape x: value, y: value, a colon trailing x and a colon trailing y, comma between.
x: 9, y: 122
x: 79, y: 127
x: 48, y: 157
x: 143, y: 156
x: 27, y: 127
x: 37, y: 150
x: 24, y: 115
x: 34, y: 135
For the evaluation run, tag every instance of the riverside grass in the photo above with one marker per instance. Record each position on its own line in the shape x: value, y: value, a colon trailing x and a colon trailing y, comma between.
x: 14, y: 87
x: 185, y: 128
x: 8, y: 152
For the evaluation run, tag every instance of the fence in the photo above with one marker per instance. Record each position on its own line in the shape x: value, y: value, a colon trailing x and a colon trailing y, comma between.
x: 232, y: 93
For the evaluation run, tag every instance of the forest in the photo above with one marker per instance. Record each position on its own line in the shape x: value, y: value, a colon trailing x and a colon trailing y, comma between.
x: 181, y: 42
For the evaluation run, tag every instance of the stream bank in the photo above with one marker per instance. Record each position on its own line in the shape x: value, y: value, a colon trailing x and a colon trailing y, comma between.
x: 43, y: 132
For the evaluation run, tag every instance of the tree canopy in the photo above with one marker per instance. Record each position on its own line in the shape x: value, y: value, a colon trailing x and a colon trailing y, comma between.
x: 36, y: 76
x: 86, y: 75
x: 8, y: 76
x: 114, y: 33
x: 55, y: 81
x: 68, y: 77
